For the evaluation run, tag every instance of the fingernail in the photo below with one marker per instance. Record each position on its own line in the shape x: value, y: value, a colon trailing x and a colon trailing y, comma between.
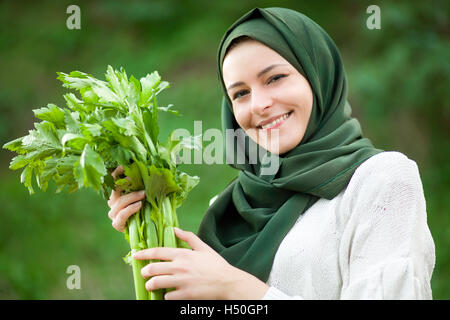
x: 142, y: 192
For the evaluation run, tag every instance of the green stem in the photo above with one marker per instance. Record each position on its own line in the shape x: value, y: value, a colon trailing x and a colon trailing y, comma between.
x: 160, y: 227
x: 169, y: 234
x: 137, y: 265
x: 151, y: 235
x: 174, y: 213
x: 167, y: 212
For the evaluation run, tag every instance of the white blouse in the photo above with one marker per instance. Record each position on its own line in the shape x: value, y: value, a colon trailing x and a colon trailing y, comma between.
x: 371, y: 241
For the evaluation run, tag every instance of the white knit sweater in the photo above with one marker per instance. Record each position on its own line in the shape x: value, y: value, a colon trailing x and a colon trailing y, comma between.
x: 371, y: 241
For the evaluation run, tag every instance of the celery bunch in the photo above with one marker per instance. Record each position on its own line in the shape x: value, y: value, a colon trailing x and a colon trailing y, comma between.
x: 109, y: 124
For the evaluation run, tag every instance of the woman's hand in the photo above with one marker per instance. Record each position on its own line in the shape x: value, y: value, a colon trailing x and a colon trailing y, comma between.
x: 123, y: 206
x: 200, y: 273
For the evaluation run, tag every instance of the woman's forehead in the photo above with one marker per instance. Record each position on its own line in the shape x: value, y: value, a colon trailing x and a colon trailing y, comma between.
x: 250, y: 56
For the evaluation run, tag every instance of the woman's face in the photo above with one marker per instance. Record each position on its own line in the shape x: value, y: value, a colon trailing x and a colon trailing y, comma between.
x: 267, y: 94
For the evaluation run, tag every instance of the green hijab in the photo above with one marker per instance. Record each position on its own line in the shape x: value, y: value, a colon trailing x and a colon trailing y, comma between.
x: 252, y: 215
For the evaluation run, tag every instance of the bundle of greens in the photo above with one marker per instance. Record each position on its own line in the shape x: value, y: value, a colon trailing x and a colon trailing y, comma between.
x: 111, y: 123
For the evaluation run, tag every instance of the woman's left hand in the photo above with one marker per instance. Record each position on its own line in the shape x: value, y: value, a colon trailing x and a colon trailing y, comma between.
x: 200, y: 273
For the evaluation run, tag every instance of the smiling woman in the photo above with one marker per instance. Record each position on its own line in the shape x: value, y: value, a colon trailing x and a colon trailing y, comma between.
x: 337, y: 219
x: 269, y: 94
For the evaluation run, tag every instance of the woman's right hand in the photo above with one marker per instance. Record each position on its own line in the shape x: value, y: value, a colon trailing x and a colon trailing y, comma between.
x: 123, y: 205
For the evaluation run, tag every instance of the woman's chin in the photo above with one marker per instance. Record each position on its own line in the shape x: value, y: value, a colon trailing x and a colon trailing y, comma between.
x: 275, y: 148
x: 275, y: 143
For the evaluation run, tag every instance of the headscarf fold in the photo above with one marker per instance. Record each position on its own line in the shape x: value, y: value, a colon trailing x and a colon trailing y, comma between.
x: 252, y: 215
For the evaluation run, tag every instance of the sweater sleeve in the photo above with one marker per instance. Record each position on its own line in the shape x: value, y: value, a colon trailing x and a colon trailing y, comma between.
x: 275, y: 294
x: 386, y: 250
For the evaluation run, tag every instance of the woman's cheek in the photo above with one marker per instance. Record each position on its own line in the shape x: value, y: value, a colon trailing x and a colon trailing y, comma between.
x: 242, y: 118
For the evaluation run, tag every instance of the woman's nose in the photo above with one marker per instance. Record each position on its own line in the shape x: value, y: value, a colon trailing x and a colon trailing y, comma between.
x: 261, y: 100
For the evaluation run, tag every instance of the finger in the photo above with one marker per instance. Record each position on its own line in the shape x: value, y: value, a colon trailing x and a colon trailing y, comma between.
x: 179, y: 294
x: 124, y: 201
x: 157, y: 268
x: 115, y: 194
x: 117, y: 172
x: 160, y: 253
x: 120, y: 221
x: 129, y: 198
x: 192, y: 239
x: 160, y: 282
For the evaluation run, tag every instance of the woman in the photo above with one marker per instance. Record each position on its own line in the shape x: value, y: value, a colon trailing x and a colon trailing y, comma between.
x: 336, y: 219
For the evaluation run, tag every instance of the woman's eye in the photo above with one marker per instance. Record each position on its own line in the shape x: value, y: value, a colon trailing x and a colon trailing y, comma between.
x: 239, y: 94
x: 275, y: 78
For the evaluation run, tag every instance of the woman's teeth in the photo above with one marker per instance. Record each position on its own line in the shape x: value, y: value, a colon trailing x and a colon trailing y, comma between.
x: 275, y: 122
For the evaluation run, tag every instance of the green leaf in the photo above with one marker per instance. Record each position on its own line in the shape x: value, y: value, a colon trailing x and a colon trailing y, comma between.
x: 186, y: 183
x: 27, y: 177
x: 41, y: 143
x: 132, y: 143
x: 74, y: 140
x: 52, y: 114
x: 124, y: 184
x: 108, y: 123
x: 159, y: 182
x: 161, y: 86
x: 149, y: 83
x: 15, y: 145
x: 90, y: 169
x: 18, y: 162
x: 132, y: 181
x: 116, y: 84
x: 73, y: 103
x: 72, y: 121
x: 120, y: 155
x: 77, y: 80
x: 105, y: 94
x: 89, y: 95
x: 150, y: 122
x: 91, y: 130
x: 128, y: 259
x: 134, y: 92
x: 132, y: 171
x: 64, y: 176
x: 126, y: 125
x: 169, y: 109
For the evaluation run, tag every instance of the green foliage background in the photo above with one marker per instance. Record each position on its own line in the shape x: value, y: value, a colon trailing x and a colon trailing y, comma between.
x: 398, y: 88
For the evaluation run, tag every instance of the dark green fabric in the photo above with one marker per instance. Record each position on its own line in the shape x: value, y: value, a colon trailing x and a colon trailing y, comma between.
x: 250, y: 218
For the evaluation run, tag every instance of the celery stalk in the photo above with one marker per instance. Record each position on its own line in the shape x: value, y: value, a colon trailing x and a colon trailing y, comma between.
x: 169, y: 234
x: 137, y: 265
x: 151, y: 236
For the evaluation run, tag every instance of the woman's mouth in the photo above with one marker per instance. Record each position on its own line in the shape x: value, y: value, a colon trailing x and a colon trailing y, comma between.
x: 276, y: 123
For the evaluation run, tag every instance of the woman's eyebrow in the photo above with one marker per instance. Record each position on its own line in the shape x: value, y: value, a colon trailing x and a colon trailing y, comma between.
x: 265, y: 70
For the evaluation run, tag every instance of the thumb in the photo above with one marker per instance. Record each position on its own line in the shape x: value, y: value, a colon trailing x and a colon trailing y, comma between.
x: 192, y: 239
